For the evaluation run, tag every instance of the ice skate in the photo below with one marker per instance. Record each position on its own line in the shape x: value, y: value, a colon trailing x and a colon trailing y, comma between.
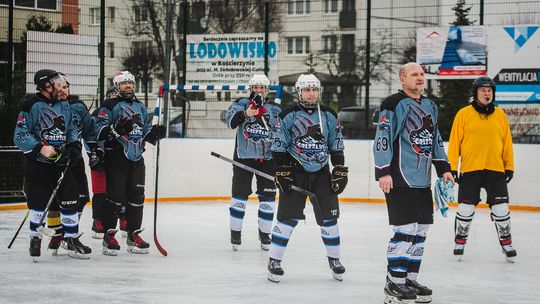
x: 54, y: 244
x: 423, y: 294
x: 110, y: 244
x: 236, y: 239
x: 97, y: 229
x: 265, y: 240
x: 458, y: 251
x: 509, y: 253
x: 398, y: 293
x: 76, y: 249
x: 35, y: 248
x: 135, y: 244
x: 123, y: 227
x: 275, y: 272
x: 337, y: 268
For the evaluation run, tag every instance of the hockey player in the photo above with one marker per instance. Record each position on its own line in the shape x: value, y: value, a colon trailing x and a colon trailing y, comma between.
x: 46, y: 134
x: 253, y: 118
x: 126, y: 119
x: 96, y: 159
x: 305, y: 137
x: 482, y: 140
x: 407, y: 143
x: 85, y: 129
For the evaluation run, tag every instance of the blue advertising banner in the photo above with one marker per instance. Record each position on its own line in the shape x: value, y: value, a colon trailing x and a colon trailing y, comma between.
x: 514, y: 62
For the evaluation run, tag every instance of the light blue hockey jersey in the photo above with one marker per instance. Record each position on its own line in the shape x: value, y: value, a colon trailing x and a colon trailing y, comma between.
x: 42, y: 122
x: 252, y: 135
x: 408, y: 141
x: 115, y: 109
x: 298, y: 133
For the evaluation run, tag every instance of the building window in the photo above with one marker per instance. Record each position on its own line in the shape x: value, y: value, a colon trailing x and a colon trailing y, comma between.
x: 95, y: 15
x: 329, y: 44
x: 110, y: 45
x: 112, y: 13
x: 140, y: 86
x: 141, y: 44
x: 300, y: 7
x: 42, y: 4
x: 298, y: 45
x: 330, y: 6
x: 141, y: 15
x: 347, y: 44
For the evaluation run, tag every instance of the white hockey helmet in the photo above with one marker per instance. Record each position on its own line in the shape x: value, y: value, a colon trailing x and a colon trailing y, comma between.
x: 124, y: 76
x: 259, y: 79
x: 308, y: 81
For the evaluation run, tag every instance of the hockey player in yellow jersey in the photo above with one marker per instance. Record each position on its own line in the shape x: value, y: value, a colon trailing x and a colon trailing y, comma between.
x: 481, y: 143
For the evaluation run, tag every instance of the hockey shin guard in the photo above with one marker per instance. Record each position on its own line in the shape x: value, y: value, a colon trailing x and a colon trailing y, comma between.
x: 330, y: 237
x: 97, y: 205
x: 134, y: 216
x: 70, y: 221
x: 500, y: 214
x: 35, y: 217
x: 417, y: 251
x: 398, y: 252
x: 280, y: 237
x: 110, y: 213
x: 54, y: 222
x: 266, y: 214
x: 462, y: 225
x: 237, y: 211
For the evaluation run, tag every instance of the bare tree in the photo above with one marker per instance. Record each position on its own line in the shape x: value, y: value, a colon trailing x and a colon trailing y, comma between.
x: 147, y: 21
x: 349, y: 67
x: 240, y: 16
x: 143, y: 62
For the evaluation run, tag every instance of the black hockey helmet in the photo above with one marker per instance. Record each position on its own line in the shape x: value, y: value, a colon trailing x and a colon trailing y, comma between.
x: 111, y: 92
x: 43, y: 76
x: 482, y: 82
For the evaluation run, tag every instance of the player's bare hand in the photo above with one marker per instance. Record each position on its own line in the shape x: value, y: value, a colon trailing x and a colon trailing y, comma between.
x: 250, y: 111
x: 48, y: 151
x: 386, y: 183
x: 447, y: 176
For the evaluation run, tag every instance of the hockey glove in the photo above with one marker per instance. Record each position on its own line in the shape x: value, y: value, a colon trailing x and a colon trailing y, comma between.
x: 95, y: 159
x: 155, y: 134
x: 508, y: 175
x: 68, y: 155
x: 339, y: 178
x: 455, y: 175
x: 124, y: 126
x: 284, y: 179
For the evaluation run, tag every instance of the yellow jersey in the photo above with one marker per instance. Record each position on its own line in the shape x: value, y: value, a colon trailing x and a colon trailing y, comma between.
x: 483, y: 142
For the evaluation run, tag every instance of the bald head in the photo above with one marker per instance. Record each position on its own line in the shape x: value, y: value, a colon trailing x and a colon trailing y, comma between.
x: 411, y: 76
x: 407, y: 67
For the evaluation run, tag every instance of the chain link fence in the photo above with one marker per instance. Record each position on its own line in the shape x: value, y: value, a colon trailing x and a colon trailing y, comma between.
x: 325, y: 37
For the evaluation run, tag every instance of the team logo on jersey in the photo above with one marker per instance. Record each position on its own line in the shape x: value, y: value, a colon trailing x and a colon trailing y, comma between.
x: 76, y: 121
x: 422, y: 138
x: 256, y: 130
x: 137, y: 133
x: 312, y: 143
x: 21, y: 121
x: 384, y: 123
x: 53, y: 132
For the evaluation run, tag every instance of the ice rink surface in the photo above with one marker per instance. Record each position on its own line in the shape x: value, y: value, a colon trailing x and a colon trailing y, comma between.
x: 202, y: 268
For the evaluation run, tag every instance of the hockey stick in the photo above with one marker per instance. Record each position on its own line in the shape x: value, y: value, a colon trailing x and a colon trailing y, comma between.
x: 18, y: 230
x: 311, y: 195
x: 155, y: 121
x: 46, y: 230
